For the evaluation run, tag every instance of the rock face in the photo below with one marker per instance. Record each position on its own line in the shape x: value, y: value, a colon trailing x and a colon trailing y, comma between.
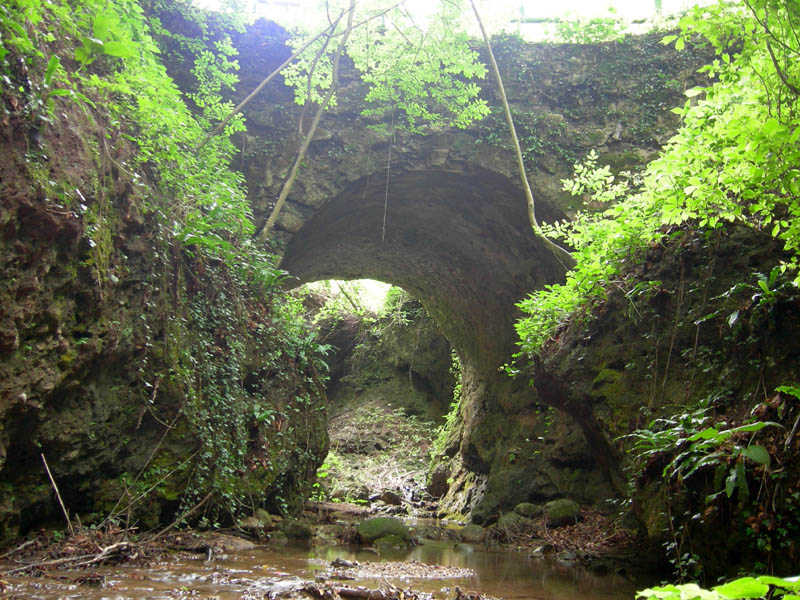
x: 702, y: 334
x: 120, y: 363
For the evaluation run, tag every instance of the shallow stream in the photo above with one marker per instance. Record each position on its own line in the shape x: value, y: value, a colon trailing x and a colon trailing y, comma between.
x: 254, y: 573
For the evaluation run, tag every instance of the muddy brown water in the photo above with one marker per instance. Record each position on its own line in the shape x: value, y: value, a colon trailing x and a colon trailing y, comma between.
x: 253, y: 573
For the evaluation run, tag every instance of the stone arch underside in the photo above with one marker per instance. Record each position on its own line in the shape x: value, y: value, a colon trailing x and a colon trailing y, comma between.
x: 460, y: 242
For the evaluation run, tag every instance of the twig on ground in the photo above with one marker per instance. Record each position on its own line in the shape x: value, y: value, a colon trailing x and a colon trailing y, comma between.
x: 58, y: 495
x: 180, y: 518
x: 73, y: 561
x: 17, y: 549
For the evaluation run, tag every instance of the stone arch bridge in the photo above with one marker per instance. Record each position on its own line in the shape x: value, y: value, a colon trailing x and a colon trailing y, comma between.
x: 443, y: 215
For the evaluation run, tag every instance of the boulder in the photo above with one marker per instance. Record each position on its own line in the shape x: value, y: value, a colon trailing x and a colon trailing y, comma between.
x: 278, y: 538
x: 268, y: 521
x: 258, y: 523
x: 378, y: 527
x: 511, y: 522
x: 297, y: 530
x: 472, y: 533
x: 528, y: 510
x: 341, y: 515
x: 393, y: 498
x: 390, y: 542
x: 252, y: 526
x: 228, y: 543
x: 561, y: 512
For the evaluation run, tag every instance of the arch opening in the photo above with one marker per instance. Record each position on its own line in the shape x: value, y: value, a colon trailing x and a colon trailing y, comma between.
x: 459, y: 242
x: 391, y: 381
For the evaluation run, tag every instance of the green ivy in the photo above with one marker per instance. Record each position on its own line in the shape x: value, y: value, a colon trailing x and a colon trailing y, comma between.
x: 225, y: 358
x: 735, y: 160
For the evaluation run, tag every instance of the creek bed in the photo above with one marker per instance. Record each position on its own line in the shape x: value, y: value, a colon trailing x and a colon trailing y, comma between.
x: 254, y: 573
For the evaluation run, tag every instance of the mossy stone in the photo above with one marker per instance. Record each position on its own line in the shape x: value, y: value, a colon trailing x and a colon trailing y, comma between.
x: 297, y: 530
x: 526, y: 509
x: 561, y: 512
x: 278, y: 538
x: 390, y: 542
x: 512, y: 522
x: 472, y: 533
x: 378, y: 527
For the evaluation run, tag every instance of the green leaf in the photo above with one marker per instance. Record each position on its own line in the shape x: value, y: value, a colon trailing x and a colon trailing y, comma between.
x: 709, y: 433
x: 771, y: 126
x: 746, y: 587
x: 680, y: 43
x: 52, y: 65
x: 741, y: 480
x: 730, y: 483
x: 83, y: 55
x: 792, y: 390
x: 122, y: 50
x: 757, y: 454
x: 757, y: 426
x: 103, y: 22
x: 695, y: 91
x: 786, y: 584
x: 60, y: 92
x: 667, y: 591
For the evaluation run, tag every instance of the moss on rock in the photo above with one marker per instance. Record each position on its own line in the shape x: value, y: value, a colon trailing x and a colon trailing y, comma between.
x: 378, y: 527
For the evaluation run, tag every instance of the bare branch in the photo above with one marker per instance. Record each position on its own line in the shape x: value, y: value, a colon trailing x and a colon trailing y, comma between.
x: 562, y: 255
x: 218, y: 129
x: 287, y: 186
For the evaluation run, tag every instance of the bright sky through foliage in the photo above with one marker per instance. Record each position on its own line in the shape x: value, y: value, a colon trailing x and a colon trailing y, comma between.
x: 496, y: 11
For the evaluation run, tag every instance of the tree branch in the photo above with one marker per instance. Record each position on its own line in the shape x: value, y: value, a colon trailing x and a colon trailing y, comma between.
x: 218, y: 129
x: 287, y: 186
x: 562, y: 255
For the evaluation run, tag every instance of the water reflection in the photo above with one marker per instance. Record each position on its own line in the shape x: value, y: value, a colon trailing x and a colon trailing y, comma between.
x: 503, y: 574
x: 251, y: 574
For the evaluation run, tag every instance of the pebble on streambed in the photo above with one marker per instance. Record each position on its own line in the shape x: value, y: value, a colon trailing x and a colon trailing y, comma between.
x: 342, y: 569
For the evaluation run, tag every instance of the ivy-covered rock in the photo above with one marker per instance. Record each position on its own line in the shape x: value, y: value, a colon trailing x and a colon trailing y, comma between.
x: 144, y: 348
